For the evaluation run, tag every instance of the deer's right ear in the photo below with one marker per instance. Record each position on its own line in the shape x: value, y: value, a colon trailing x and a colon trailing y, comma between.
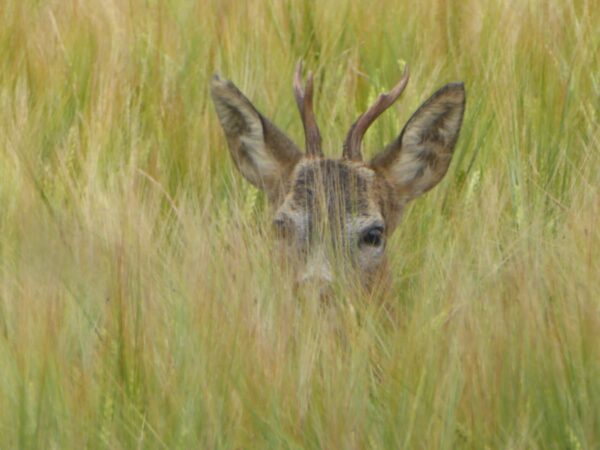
x: 263, y: 154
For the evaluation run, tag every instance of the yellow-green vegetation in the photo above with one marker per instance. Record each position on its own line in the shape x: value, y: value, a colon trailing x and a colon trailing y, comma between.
x: 141, y: 305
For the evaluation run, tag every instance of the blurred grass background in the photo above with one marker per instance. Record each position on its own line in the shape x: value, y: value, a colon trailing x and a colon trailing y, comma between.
x: 139, y: 303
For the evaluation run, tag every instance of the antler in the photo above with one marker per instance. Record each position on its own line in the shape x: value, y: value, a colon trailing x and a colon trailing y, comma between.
x: 304, y: 102
x: 359, y: 128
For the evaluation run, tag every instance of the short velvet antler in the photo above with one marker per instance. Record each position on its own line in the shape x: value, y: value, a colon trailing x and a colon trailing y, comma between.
x: 304, y: 100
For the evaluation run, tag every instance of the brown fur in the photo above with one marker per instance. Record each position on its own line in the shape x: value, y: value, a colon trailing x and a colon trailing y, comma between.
x: 328, y: 210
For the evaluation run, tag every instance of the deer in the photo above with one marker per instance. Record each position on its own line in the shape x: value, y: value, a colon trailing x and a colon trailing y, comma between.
x: 335, y: 216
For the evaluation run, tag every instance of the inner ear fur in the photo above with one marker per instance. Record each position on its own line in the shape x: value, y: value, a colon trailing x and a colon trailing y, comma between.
x: 420, y: 156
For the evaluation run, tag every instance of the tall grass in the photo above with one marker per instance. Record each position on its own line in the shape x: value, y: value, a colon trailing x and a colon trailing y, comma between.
x: 140, y: 306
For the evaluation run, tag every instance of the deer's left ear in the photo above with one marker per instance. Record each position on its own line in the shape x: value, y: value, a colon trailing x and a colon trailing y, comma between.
x: 419, y: 157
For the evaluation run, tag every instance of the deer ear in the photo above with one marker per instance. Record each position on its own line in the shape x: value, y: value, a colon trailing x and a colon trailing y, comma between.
x: 418, y: 159
x: 263, y: 154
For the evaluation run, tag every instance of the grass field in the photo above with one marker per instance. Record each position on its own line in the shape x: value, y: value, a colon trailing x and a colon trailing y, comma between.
x: 139, y: 303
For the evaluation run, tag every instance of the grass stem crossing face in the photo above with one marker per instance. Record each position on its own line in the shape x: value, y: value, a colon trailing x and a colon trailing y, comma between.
x: 338, y: 213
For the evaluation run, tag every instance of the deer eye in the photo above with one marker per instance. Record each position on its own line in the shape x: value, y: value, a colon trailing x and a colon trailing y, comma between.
x: 373, y: 237
x: 282, y: 228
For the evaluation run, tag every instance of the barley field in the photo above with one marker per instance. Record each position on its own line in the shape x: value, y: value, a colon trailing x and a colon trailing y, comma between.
x: 140, y: 302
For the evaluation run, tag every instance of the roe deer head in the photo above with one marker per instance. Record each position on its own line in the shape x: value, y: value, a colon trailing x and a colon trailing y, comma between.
x: 333, y: 213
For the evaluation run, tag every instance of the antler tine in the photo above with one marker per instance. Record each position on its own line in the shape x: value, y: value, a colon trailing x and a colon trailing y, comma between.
x: 354, y: 138
x: 304, y: 97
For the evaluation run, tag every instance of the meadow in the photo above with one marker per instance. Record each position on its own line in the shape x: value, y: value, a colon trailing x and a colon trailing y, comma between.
x: 140, y: 305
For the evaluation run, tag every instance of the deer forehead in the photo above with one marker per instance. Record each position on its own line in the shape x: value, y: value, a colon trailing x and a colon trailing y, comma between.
x: 339, y: 192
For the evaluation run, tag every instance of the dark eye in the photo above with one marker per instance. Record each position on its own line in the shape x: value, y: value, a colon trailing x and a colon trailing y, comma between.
x: 373, y: 237
x: 282, y: 227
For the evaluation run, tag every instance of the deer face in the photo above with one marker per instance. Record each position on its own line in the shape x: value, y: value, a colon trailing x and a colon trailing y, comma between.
x: 334, y: 215
x: 332, y: 218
